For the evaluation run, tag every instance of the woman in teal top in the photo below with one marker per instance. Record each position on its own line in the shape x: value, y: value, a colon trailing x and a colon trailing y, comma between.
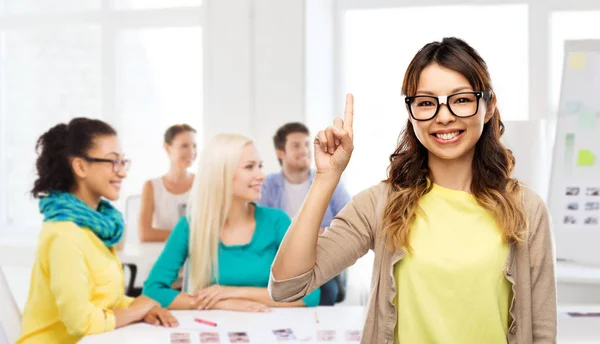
x: 229, y: 241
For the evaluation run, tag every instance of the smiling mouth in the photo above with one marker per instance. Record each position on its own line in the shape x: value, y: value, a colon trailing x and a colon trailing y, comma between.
x: 448, y: 136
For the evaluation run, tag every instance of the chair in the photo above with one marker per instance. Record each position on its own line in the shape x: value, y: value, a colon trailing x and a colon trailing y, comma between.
x: 342, y: 281
x: 3, y: 336
x: 130, y: 289
x: 133, y: 204
x: 10, y: 316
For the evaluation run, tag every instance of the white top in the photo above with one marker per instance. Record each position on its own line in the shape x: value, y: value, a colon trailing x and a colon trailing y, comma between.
x: 168, y: 207
x: 294, y: 196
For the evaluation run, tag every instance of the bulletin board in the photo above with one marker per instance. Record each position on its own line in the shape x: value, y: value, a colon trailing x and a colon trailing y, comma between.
x: 574, y: 195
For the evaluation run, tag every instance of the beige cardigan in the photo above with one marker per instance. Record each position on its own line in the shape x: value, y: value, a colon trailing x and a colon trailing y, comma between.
x: 357, y: 228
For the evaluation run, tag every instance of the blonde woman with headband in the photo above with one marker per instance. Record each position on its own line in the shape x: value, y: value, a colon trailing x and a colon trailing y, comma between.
x: 229, y: 241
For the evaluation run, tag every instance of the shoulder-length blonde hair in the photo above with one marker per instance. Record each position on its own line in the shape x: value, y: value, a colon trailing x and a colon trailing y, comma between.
x: 493, y: 163
x: 209, y: 205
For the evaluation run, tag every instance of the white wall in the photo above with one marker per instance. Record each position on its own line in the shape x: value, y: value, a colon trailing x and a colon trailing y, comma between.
x: 528, y: 142
x: 255, y: 69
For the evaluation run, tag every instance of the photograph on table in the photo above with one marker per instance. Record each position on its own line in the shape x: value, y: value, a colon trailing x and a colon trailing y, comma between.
x: 584, y: 314
x: 353, y: 336
x: 239, y: 337
x: 326, y: 336
x: 181, y: 338
x: 210, y: 337
x: 284, y: 334
x: 590, y: 221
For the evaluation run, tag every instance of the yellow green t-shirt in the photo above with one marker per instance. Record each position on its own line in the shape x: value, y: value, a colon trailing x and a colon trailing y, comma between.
x: 452, y: 288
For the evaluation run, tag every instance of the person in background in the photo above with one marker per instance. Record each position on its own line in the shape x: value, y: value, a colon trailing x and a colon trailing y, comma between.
x: 165, y: 198
x: 287, y: 189
x: 77, y: 284
x: 464, y: 253
x: 228, y: 240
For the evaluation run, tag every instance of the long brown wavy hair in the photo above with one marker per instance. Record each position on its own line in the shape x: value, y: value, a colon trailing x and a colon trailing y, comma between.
x: 493, y: 163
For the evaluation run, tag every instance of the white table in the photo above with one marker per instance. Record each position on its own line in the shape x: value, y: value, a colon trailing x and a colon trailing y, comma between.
x: 578, y: 330
x: 258, y: 326
x: 571, y: 272
x: 571, y: 330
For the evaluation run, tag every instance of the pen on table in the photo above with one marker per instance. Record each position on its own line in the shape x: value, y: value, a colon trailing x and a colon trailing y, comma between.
x: 205, y: 322
x: 317, y: 317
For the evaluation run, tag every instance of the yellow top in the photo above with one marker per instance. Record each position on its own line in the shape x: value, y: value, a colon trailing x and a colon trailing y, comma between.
x: 76, y: 282
x: 452, y: 289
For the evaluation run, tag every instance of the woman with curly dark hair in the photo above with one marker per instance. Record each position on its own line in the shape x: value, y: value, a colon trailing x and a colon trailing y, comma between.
x: 77, y: 285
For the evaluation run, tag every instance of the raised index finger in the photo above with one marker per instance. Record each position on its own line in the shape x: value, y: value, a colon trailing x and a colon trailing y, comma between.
x: 349, y: 113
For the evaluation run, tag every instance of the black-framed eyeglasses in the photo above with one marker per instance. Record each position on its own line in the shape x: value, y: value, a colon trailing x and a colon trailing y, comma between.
x: 462, y: 104
x: 117, y: 164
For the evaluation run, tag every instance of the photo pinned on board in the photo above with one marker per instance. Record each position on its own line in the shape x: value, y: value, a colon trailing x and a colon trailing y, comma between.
x: 239, y: 337
x: 326, y: 336
x: 592, y: 191
x: 284, y: 334
x: 569, y: 220
x: 573, y: 206
x: 572, y: 191
x: 210, y: 337
x: 353, y: 336
x: 590, y: 221
x: 180, y: 338
x: 592, y: 206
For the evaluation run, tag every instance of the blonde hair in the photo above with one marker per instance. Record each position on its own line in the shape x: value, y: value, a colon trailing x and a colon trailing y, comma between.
x: 209, y: 205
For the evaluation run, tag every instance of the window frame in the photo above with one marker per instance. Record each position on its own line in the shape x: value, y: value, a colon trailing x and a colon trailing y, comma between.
x: 111, y: 21
x: 540, y: 14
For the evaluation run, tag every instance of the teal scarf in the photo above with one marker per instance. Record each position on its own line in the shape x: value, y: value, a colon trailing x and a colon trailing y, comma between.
x: 106, y: 222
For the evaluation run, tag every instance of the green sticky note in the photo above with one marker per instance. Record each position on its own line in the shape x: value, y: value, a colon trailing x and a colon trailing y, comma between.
x: 585, y: 158
x: 577, y: 61
x: 586, y: 120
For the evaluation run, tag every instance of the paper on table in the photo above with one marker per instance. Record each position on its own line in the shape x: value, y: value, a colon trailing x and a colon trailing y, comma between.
x: 210, y: 337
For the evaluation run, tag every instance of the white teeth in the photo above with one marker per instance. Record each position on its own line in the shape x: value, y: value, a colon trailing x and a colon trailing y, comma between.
x: 447, y: 136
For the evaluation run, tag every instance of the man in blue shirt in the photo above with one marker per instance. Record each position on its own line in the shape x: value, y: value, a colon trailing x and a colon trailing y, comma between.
x: 287, y: 189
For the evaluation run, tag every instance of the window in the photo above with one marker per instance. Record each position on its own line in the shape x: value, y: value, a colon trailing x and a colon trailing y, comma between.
x: 153, y: 4
x: 48, y: 6
x: 567, y: 26
x: 159, y: 83
x: 377, y: 47
x: 139, y: 69
x: 51, y: 76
